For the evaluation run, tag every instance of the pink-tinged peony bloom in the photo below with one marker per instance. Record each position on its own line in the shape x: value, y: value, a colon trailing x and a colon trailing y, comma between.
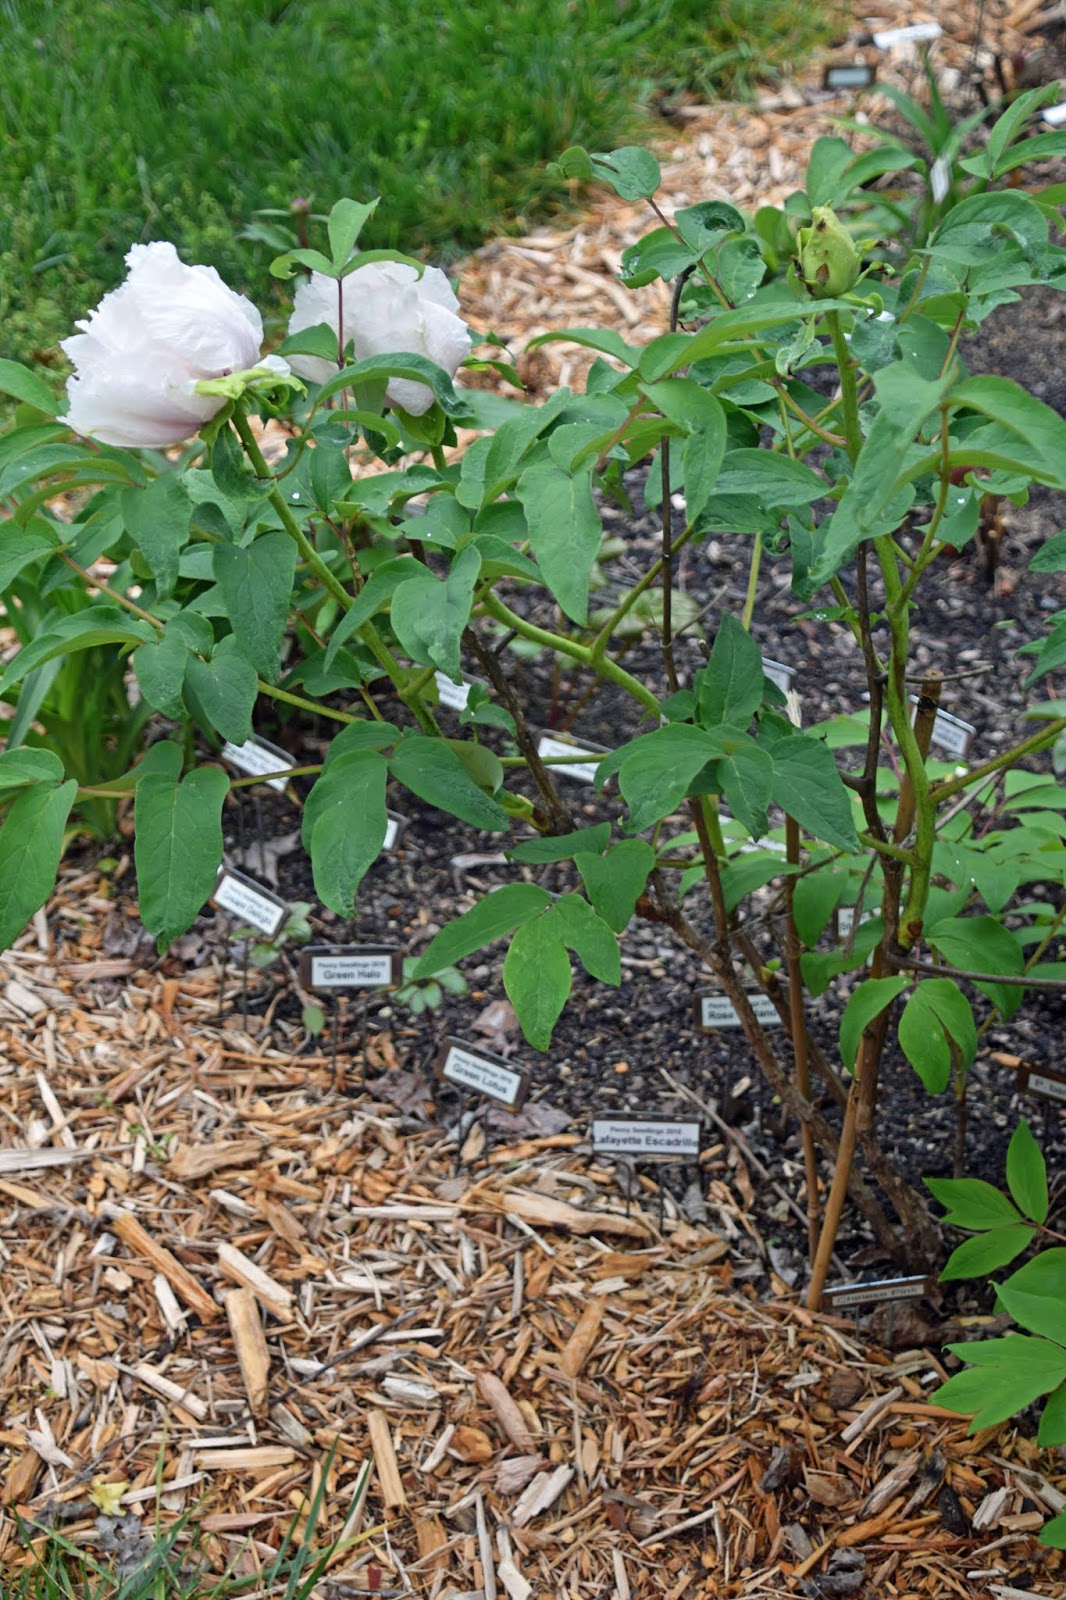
x: 388, y: 310
x: 147, y: 345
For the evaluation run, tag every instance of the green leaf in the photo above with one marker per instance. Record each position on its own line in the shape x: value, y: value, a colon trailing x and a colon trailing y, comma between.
x: 986, y: 1252
x: 616, y: 881
x: 375, y: 594
x: 746, y: 775
x: 231, y: 471
x: 433, y: 771
x: 656, y: 771
x: 19, y: 767
x: 1052, y: 1431
x: 256, y: 582
x: 31, y: 843
x: 537, y: 978
x: 776, y: 480
x: 1035, y: 1295
x: 82, y: 630
x: 1038, y: 430
x: 344, y: 227
x: 1027, y: 1175
x: 631, y: 171
x: 225, y: 689
x: 349, y: 826
x: 867, y: 1002
x: 973, y: 1203
x: 22, y: 384
x: 429, y: 616
x: 697, y: 410
x: 177, y: 844
x: 493, y: 918
x: 159, y: 666
x: 937, y: 1014
x: 808, y: 787
x: 398, y: 364
x: 158, y: 518
x: 588, y: 936
x: 981, y: 944
x: 20, y: 546
x: 731, y: 684
x: 564, y: 531
x: 1007, y: 1375
x: 814, y: 899
x: 563, y: 846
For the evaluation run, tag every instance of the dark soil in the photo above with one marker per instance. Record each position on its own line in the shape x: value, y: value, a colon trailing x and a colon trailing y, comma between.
x: 636, y: 1049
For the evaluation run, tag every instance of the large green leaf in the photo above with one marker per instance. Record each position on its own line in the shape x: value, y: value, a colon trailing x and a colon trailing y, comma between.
x: 537, y: 978
x: 177, y: 844
x: 1006, y: 1376
x: 158, y: 518
x: 160, y: 667
x: 987, y: 1252
x: 937, y: 1016
x: 1027, y: 1177
x: 631, y: 171
x: 1035, y: 1295
x: 492, y: 918
x: 428, y: 615
x: 563, y: 846
x: 588, y: 936
x: 746, y: 775
x: 1038, y: 430
x: 31, y: 842
x: 375, y: 594
x: 225, y: 688
x: 22, y: 384
x: 256, y: 583
x: 22, y: 766
x: 973, y: 1203
x: 808, y: 787
x: 867, y: 1001
x: 981, y: 944
x: 348, y: 830
x: 776, y: 480
x: 657, y: 770
x: 82, y: 630
x: 564, y: 531
x: 434, y: 772
x: 615, y: 882
x: 731, y: 684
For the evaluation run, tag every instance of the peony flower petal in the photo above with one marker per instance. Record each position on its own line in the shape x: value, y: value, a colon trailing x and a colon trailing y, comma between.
x: 148, y: 342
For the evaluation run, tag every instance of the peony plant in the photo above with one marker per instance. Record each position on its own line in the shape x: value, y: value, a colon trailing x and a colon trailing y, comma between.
x: 231, y: 583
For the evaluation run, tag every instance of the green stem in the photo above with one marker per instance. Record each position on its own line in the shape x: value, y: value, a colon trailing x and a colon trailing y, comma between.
x: 301, y: 704
x: 753, y: 584
x: 848, y: 390
x: 569, y: 647
x: 1037, y: 741
x: 597, y: 650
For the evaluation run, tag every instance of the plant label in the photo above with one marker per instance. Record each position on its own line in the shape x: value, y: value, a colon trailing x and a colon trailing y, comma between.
x: 913, y: 33
x: 779, y: 675
x: 849, y: 75
x: 394, y: 826
x: 478, y: 1071
x: 255, y: 756
x: 950, y: 734
x: 550, y: 745
x: 351, y: 966
x: 452, y: 695
x: 846, y: 920
x: 1055, y: 116
x: 249, y: 902
x: 676, y: 1137
x: 1046, y: 1085
x: 714, y: 1011
x: 882, y: 1291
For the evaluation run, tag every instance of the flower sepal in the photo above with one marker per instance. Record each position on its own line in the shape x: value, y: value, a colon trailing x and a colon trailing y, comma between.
x: 265, y: 380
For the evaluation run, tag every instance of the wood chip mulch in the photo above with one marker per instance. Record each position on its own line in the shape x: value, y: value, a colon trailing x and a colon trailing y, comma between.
x: 228, y: 1284
x: 229, y: 1287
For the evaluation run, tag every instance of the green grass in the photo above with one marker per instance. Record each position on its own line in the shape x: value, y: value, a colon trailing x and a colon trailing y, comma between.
x: 126, y: 120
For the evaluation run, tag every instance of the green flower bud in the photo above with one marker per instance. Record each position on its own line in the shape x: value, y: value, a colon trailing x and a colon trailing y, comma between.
x: 829, y: 263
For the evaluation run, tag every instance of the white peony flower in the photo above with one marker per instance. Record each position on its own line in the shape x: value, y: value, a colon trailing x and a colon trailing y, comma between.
x: 387, y: 310
x: 147, y: 345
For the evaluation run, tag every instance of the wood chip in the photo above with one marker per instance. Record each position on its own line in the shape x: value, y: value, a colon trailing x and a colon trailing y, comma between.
x: 388, y: 1471
x: 246, y: 1327
x: 273, y: 1296
x: 140, y: 1241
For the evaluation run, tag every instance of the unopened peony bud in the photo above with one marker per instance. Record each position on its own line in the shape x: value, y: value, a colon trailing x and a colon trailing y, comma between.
x: 388, y: 310
x: 829, y: 263
x: 150, y: 342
